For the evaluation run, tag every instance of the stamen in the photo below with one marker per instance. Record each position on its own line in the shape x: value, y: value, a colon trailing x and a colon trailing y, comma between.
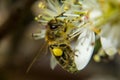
x: 74, y: 15
x: 38, y: 17
x: 66, y: 8
x: 41, y: 5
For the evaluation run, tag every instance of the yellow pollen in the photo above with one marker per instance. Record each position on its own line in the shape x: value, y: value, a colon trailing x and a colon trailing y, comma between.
x: 96, y: 30
x: 38, y: 17
x: 57, y: 52
x: 97, y: 58
x: 41, y: 5
x: 66, y: 8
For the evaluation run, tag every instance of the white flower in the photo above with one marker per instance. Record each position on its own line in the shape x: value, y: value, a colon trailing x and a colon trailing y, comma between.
x: 110, y: 36
x: 78, y: 15
x: 109, y: 23
x: 110, y: 39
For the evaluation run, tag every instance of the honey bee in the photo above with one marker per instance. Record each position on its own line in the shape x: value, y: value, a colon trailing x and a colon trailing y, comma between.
x: 58, y: 40
x: 59, y: 35
x: 59, y: 44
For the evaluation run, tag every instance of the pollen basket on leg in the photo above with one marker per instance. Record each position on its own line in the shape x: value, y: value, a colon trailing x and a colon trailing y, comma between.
x: 57, y: 51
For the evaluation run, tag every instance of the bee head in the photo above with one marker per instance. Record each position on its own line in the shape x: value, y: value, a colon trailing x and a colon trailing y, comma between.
x: 55, y: 24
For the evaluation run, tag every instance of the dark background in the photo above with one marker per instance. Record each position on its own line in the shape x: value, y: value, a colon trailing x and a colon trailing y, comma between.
x: 18, y: 48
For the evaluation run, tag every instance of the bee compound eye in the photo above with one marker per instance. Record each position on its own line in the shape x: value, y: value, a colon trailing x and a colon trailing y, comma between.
x: 53, y: 26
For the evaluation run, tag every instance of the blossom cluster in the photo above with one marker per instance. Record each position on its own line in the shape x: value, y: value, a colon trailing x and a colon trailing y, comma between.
x: 95, y: 20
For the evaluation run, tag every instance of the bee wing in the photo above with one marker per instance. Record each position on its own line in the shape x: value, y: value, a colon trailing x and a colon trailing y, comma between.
x: 84, y: 48
x: 38, y: 55
x: 53, y: 62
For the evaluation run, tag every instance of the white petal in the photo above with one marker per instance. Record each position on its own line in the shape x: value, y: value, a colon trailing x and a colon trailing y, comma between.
x: 108, y: 46
x: 89, y: 4
x: 51, y: 5
x: 40, y: 35
x: 95, y: 14
x: 53, y: 62
x: 84, y: 48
